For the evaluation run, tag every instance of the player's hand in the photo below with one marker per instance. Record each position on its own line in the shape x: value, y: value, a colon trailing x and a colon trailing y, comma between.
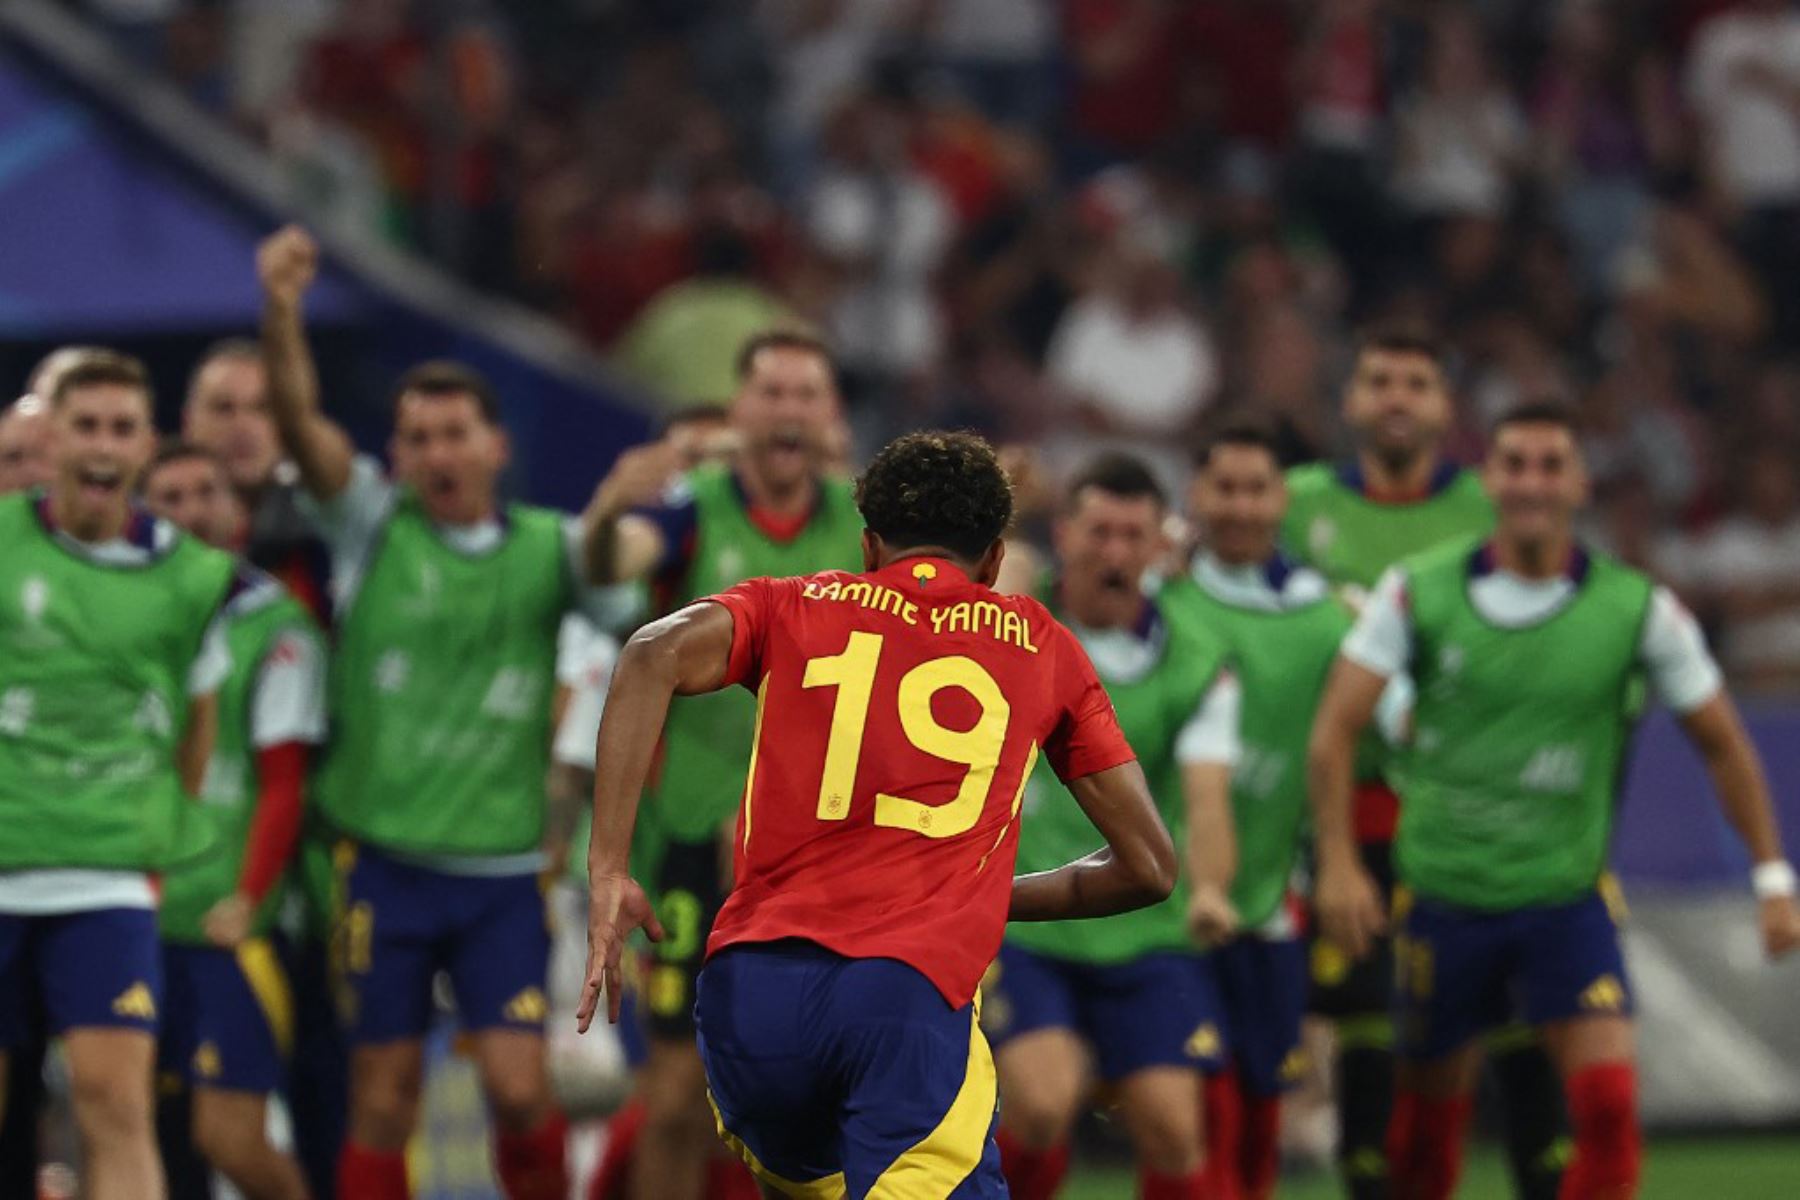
x: 639, y: 477
x: 1349, y: 907
x: 227, y: 923
x: 1780, y: 920
x: 616, y: 906
x: 1211, y: 919
x: 286, y: 263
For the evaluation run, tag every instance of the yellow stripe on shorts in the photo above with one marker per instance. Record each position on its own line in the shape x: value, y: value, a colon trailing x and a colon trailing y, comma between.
x: 831, y: 1187
x: 951, y: 1152
x: 262, y: 970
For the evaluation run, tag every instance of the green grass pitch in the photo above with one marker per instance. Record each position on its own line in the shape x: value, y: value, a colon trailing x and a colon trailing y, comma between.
x: 1760, y: 1168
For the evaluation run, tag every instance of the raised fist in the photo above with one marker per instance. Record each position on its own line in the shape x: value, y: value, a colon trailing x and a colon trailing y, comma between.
x: 286, y: 263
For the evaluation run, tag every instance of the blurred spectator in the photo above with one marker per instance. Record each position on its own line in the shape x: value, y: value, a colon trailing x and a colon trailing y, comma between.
x: 1748, y: 569
x: 1135, y: 366
x: 999, y: 54
x: 1744, y: 80
x: 880, y: 229
x: 820, y: 50
x: 1461, y: 139
x: 1125, y: 94
x: 1606, y: 116
x: 1246, y: 49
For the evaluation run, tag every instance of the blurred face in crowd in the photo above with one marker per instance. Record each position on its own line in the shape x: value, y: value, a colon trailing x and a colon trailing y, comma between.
x: 194, y: 493
x: 1105, y: 543
x: 1240, y: 497
x: 450, y: 453
x: 25, y: 459
x: 1535, y: 474
x: 784, y: 413
x: 102, y: 437
x: 1397, y: 405
x: 228, y: 413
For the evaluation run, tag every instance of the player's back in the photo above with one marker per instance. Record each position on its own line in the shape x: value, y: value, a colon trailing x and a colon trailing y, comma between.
x: 899, y: 713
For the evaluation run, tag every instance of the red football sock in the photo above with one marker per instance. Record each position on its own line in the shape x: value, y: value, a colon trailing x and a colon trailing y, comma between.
x: 1259, y: 1151
x: 730, y: 1179
x: 1224, y: 1135
x: 1425, y: 1145
x: 1195, y: 1185
x: 365, y: 1174
x: 533, y: 1165
x: 622, y: 1131
x: 1608, y: 1143
x: 1031, y: 1174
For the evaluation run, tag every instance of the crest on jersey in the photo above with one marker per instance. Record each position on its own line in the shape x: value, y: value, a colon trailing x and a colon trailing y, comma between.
x: 924, y: 572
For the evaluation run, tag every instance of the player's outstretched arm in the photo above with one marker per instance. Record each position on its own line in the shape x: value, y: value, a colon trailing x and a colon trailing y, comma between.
x: 286, y: 263
x: 622, y: 546
x: 1718, y: 733
x: 684, y: 653
x: 1344, y: 896
x: 1135, y: 870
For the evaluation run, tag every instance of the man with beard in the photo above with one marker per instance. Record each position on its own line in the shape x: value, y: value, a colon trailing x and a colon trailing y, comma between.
x: 1400, y: 495
x: 227, y: 1022
x: 107, y: 669
x: 441, y: 691
x: 774, y: 510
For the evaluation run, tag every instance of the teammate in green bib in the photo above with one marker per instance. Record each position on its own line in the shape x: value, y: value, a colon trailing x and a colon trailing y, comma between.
x: 693, y: 529
x: 227, y: 1014
x: 1526, y: 650
x: 104, y: 644
x: 1399, y: 494
x: 1281, y: 625
x: 440, y: 694
x: 1132, y: 989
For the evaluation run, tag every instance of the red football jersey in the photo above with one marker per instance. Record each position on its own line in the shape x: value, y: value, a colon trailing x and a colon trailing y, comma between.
x: 899, y: 714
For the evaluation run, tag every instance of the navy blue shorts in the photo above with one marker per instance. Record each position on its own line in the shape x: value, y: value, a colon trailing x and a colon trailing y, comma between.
x: 1161, y: 1010
x: 403, y: 923
x: 1263, y: 985
x: 228, y: 1017
x: 1460, y: 972
x: 100, y: 969
x: 836, y: 1077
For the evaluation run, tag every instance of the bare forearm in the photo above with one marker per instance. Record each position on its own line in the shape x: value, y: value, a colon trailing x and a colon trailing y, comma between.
x: 1330, y: 772
x: 1211, y: 843
x: 319, y: 449
x: 1096, y: 886
x: 642, y: 686
x: 1743, y: 791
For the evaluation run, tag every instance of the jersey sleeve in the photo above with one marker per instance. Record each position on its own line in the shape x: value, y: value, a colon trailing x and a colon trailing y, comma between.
x: 609, y: 606
x: 1210, y: 737
x: 289, y: 703
x: 750, y: 604
x: 580, y: 727
x: 1381, y: 639
x: 1086, y: 738
x: 1673, y: 651
x: 212, y: 665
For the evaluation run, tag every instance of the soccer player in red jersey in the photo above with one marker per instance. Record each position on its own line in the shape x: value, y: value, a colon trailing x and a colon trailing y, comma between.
x: 899, y: 713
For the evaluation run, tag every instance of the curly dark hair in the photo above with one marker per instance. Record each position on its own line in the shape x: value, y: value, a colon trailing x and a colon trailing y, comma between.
x: 936, y: 489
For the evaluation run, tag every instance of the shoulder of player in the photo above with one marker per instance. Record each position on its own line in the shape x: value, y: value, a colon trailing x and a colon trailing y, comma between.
x: 1311, y: 479
x: 254, y: 591
x: 1449, y: 555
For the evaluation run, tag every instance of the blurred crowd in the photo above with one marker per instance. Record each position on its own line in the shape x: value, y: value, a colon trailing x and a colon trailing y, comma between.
x: 1071, y: 222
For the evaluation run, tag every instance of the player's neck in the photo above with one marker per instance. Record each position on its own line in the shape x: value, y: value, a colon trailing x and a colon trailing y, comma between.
x: 1536, y: 559
x: 1388, y: 481
x: 90, y: 525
